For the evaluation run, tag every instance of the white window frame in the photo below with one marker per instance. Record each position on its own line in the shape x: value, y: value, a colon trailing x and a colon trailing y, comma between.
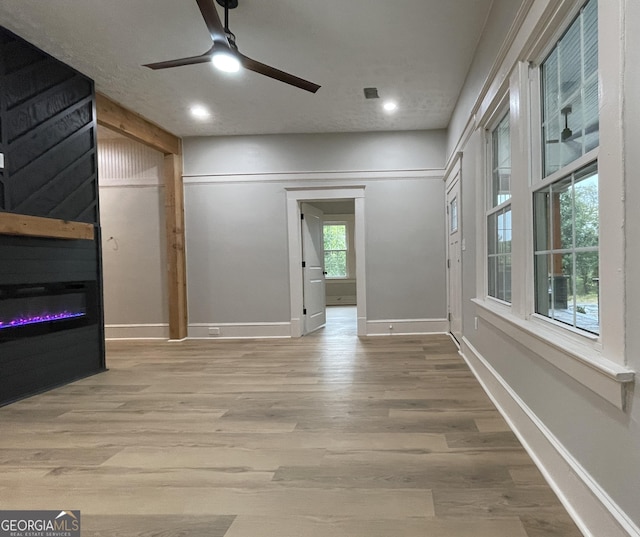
x: 502, y: 112
x: 539, y: 182
x: 598, y: 362
x: 609, y: 344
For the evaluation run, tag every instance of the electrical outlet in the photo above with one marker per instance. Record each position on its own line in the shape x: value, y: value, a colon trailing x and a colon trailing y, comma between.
x: 214, y: 331
x: 475, y: 323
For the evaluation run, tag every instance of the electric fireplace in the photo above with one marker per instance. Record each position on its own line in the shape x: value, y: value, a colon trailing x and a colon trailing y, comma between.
x: 38, y: 309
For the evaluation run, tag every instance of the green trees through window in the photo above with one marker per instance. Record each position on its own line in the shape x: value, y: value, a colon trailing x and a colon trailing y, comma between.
x: 335, y: 250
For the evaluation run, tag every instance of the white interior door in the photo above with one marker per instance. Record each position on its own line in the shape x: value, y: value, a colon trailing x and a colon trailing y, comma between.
x: 314, y: 311
x: 454, y: 258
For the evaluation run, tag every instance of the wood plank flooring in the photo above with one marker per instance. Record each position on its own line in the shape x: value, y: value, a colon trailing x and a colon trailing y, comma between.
x: 325, y: 436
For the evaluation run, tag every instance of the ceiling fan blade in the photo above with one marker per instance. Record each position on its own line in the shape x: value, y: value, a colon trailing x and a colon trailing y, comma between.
x: 203, y: 58
x: 212, y: 20
x: 272, y: 72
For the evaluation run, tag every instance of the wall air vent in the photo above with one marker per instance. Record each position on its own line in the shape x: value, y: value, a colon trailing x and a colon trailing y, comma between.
x: 371, y: 93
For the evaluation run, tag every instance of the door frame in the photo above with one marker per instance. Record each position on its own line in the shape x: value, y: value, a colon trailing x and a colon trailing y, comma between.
x: 301, y: 194
x: 452, y: 176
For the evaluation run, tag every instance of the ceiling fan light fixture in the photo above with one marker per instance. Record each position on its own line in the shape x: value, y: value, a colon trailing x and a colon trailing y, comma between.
x: 226, y: 61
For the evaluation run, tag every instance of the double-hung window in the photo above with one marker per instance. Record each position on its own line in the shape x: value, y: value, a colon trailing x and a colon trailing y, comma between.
x: 336, y: 246
x: 565, y: 200
x: 499, y: 214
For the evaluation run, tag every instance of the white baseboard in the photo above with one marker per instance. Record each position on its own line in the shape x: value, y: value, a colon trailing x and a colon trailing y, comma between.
x: 346, y: 300
x: 136, y: 331
x: 240, y: 330
x: 593, y: 510
x: 407, y: 327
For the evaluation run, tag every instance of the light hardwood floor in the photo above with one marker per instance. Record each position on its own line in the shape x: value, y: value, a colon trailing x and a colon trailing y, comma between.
x: 325, y: 436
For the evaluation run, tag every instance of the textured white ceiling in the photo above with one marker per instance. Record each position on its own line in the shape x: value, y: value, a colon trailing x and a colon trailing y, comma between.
x: 414, y: 51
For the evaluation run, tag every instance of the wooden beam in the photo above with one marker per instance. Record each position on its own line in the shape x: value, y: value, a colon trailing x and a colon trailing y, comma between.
x: 118, y: 118
x: 35, y: 226
x: 174, y: 213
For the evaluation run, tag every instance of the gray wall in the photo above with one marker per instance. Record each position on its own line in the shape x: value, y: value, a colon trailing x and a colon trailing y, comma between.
x: 237, y: 253
x: 282, y: 153
x: 406, y: 260
x: 502, y: 15
x: 604, y: 440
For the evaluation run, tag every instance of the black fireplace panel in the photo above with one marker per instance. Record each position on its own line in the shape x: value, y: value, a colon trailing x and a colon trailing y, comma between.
x: 50, y: 307
x: 35, y: 261
x: 31, y: 365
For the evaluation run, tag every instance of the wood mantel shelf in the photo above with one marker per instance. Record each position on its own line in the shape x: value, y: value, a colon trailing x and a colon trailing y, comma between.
x: 35, y: 226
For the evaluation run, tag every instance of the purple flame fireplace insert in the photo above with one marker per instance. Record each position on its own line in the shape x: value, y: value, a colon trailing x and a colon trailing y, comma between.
x: 37, y: 309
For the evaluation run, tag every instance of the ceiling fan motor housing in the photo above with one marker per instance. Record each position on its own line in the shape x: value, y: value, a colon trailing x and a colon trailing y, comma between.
x: 231, y: 4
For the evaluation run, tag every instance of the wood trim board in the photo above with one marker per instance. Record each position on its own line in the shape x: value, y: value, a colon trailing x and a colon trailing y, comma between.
x: 176, y: 258
x: 118, y: 118
x: 36, y: 226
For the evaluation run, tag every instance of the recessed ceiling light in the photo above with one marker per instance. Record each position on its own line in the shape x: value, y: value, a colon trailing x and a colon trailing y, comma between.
x: 200, y: 112
x: 390, y: 106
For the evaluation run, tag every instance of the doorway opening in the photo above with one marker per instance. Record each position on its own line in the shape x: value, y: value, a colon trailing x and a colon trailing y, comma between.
x: 341, y: 323
x: 308, y: 287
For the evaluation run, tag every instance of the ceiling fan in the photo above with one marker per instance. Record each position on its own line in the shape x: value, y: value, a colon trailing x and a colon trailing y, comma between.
x: 224, y: 53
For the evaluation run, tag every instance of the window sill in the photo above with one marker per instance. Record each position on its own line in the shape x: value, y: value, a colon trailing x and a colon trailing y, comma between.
x: 581, y: 360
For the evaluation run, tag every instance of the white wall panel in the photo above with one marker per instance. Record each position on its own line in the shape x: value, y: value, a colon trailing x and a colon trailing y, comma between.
x: 133, y: 239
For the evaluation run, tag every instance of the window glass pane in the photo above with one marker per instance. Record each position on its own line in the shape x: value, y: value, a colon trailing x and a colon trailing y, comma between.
x: 335, y: 237
x: 453, y: 210
x: 542, y: 220
x: 493, y: 271
x: 504, y: 232
x: 499, y: 254
x: 586, y: 209
x: 570, y: 125
x: 562, y: 214
x: 506, y: 294
x: 569, y: 62
x: 492, y: 234
x: 543, y: 284
x: 503, y: 278
x: 501, y: 181
x: 561, y: 285
x: 566, y: 250
x: 592, y: 120
x: 590, y: 33
x: 335, y: 264
x: 551, y: 113
x: 587, y: 291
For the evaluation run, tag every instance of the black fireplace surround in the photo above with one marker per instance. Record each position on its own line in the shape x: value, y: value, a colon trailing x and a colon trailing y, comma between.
x: 51, y: 322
